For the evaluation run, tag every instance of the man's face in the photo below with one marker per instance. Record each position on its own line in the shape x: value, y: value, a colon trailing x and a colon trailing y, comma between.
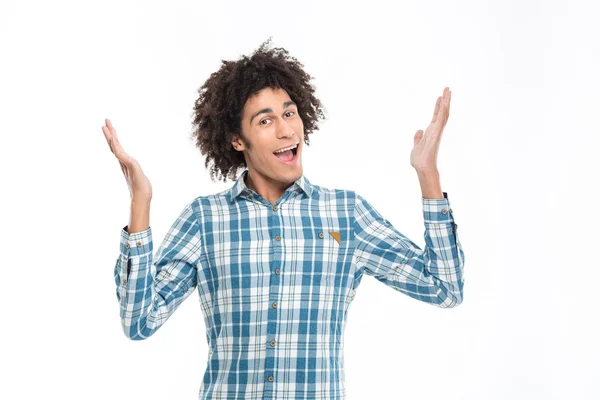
x: 270, y: 122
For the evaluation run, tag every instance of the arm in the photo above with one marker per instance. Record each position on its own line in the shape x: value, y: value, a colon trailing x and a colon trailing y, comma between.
x: 149, y: 292
x: 433, y: 275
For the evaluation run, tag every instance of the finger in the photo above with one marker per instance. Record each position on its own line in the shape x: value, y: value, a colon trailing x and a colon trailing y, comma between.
x: 445, y: 106
x: 125, y: 160
x: 437, y: 109
x: 115, y: 141
x: 110, y: 126
x: 448, y: 110
x: 439, y: 120
x: 105, y: 133
x: 418, y: 136
x: 108, y: 138
x: 119, y: 152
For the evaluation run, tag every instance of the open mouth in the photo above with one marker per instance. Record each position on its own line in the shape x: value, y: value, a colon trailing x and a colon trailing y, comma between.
x: 288, y: 156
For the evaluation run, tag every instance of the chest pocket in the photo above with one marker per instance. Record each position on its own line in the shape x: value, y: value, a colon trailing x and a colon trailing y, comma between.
x: 325, y: 256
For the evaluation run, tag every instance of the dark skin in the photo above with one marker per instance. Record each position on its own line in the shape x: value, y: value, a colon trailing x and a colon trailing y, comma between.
x: 266, y: 132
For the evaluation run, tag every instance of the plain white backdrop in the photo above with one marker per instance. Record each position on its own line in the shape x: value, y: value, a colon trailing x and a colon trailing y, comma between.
x: 517, y: 158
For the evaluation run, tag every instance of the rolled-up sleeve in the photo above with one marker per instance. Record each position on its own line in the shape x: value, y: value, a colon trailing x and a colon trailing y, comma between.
x: 150, y: 291
x: 434, y: 274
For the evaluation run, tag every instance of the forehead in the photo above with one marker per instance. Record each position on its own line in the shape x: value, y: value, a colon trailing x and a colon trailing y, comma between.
x: 266, y: 98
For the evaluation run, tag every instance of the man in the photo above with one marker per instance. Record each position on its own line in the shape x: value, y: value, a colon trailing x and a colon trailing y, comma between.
x: 276, y: 260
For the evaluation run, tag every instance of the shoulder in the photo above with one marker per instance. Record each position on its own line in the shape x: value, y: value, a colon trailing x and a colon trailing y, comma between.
x: 203, y: 202
x: 334, y: 193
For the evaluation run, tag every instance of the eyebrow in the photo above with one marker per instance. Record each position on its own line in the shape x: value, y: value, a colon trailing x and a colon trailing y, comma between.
x: 269, y: 110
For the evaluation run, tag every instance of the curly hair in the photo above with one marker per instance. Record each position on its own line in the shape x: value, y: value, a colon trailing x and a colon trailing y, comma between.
x: 218, y: 111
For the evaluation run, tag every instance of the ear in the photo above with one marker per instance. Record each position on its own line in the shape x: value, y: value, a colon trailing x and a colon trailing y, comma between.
x: 237, y: 143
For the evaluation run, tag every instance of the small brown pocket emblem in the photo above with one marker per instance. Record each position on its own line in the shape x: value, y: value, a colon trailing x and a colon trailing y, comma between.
x: 336, y: 236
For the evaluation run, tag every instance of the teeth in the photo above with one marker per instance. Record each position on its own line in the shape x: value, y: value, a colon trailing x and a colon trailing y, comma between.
x: 286, y: 149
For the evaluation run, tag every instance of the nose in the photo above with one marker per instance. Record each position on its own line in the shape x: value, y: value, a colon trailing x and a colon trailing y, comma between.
x: 286, y: 131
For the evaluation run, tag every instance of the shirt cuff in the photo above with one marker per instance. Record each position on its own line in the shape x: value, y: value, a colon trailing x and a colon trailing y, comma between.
x: 135, y: 244
x: 437, y: 211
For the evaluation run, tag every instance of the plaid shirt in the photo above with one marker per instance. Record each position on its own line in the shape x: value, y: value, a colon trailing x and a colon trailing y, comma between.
x: 276, y: 280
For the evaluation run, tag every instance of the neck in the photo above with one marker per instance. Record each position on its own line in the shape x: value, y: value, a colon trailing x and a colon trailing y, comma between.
x: 268, y: 189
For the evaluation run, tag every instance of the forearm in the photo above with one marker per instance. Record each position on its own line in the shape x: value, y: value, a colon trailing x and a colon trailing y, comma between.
x: 148, y: 298
x: 139, y: 219
x: 430, y: 184
x: 147, y: 295
x: 432, y: 274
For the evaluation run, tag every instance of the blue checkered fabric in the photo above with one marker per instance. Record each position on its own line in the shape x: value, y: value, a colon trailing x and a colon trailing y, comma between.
x: 275, y: 281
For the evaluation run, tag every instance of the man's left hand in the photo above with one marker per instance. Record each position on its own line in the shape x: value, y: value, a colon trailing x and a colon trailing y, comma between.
x: 423, y: 157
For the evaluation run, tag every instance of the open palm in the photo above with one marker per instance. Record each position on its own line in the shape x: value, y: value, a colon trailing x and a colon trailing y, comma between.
x: 139, y: 185
x: 426, y: 145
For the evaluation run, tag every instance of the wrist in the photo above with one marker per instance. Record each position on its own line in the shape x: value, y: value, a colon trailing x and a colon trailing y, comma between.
x: 140, y: 201
x: 430, y: 184
x: 428, y: 172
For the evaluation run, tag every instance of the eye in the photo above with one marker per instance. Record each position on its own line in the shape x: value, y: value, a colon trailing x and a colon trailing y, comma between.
x: 266, y: 119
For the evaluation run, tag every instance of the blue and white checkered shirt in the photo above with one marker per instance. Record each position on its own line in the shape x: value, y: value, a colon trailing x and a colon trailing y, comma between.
x: 276, y: 280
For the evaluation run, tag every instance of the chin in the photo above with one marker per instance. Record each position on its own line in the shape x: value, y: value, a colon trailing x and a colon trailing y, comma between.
x: 294, y: 175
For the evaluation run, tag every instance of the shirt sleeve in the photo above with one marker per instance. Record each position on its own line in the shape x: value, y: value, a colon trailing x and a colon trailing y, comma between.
x: 433, y: 275
x: 149, y: 292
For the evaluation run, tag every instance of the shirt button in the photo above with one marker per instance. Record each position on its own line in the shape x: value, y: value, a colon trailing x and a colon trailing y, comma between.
x: 450, y: 209
x: 274, y: 208
x: 124, y: 281
x: 278, y: 238
x: 139, y: 243
x: 443, y: 211
x: 277, y: 272
x: 271, y: 379
x: 272, y: 343
x: 274, y: 305
x: 127, y: 245
x: 321, y: 235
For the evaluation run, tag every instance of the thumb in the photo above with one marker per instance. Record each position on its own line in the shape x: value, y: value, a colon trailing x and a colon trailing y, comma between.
x: 418, y: 136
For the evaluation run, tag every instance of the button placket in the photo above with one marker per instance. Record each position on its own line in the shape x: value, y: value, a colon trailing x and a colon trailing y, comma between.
x: 274, y: 282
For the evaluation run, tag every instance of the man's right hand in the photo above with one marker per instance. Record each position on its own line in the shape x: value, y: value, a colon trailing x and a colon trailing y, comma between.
x: 140, y: 188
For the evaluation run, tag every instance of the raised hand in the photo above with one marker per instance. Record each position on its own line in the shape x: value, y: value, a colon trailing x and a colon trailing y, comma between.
x: 424, y: 155
x: 140, y: 188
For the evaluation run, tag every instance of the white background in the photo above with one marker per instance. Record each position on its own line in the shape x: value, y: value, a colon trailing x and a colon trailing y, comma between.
x: 517, y: 161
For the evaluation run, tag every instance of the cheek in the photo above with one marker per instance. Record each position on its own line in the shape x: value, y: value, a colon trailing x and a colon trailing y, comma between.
x: 262, y: 156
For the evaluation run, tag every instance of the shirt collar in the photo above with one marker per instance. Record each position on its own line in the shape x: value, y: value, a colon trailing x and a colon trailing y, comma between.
x: 239, y: 187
